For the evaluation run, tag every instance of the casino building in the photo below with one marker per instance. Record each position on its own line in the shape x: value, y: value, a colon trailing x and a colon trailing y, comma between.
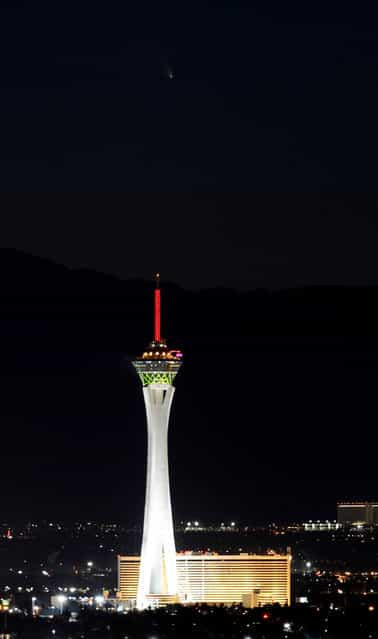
x: 214, y: 579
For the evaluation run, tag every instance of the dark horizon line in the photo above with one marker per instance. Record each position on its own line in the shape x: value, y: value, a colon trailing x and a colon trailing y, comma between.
x: 14, y: 521
x: 236, y: 289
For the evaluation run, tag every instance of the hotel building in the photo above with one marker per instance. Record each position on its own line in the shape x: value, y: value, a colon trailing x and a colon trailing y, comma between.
x: 351, y: 513
x: 214, y: 579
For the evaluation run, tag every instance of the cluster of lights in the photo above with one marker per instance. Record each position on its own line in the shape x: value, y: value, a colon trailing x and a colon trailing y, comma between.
x: 62, y: 599
x: 174, y: 355
x: 190, y: 524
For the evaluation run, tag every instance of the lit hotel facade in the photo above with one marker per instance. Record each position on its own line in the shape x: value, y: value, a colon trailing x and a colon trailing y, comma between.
x: 214, y: 579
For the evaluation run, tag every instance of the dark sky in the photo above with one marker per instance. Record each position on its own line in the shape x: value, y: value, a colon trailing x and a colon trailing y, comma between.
x: 221, y: 144
x: 226, y: 143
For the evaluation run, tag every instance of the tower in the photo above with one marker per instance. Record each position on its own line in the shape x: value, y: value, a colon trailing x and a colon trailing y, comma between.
x: 157, y: 368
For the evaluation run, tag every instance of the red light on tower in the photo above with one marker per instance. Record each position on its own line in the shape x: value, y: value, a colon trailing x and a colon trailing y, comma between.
x: 157, y: 336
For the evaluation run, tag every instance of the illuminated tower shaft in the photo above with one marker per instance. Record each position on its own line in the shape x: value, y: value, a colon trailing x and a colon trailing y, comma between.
x: 158, y: 557
x: 157, y: 368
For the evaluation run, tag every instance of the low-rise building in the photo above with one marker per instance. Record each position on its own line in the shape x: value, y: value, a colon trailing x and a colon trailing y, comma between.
x: 351, y: 513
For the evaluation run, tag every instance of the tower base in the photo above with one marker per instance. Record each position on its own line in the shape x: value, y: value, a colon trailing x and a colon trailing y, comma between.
x: 159, y: 601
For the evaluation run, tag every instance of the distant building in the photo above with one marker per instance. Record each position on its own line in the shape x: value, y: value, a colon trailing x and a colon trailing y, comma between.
x: 212, y: 579
x: 351, y: 513
x: 321, y: 526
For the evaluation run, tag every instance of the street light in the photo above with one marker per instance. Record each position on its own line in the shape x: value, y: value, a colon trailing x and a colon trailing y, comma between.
x: 62, y: 600
x: 99, y: 599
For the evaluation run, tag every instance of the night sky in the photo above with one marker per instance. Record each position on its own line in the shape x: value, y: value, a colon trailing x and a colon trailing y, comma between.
x: 225, y: 145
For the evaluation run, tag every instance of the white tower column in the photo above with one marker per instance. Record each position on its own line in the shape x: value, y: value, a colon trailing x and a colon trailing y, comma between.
x: 157, y: 367
x: 158, y: 575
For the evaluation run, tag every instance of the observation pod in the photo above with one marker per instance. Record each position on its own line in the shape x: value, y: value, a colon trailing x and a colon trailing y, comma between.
x: 157, y: 367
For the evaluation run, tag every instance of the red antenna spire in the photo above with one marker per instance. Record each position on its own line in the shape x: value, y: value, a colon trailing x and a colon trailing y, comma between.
x: 157, y: 336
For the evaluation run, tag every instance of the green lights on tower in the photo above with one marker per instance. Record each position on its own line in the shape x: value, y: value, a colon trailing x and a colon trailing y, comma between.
x: 156, y: 377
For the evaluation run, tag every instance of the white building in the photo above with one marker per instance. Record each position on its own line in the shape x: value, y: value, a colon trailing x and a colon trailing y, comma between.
x: 321, y: 526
